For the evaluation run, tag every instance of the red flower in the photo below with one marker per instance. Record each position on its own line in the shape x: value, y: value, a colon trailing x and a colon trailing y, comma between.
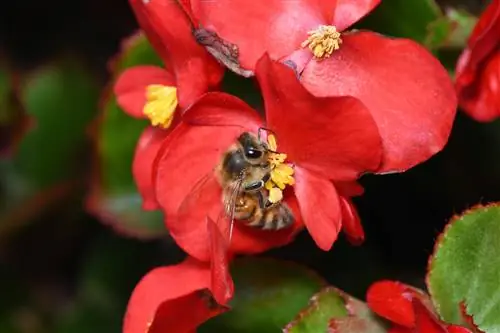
x: 478, y: 68
x: 326, y: 139
x: 157, y: 93
x: 407, y: 91
x: 408, y: 308
x: 179, y: 298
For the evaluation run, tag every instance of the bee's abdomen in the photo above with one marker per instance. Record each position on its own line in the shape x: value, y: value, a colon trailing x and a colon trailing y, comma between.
x: 274, y: 218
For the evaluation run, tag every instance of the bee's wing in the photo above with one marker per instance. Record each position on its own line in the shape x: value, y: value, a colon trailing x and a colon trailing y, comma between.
x: 225, y: 221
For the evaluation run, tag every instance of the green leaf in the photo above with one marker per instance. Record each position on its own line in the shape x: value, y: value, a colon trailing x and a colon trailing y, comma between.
x: 268, y: 294
x: 335, y: 310
x: 465, y: 268
x: 116, y: 199
x: 403, y: 18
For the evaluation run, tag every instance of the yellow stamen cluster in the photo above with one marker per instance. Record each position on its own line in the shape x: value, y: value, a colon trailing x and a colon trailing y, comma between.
x: 323, y: 41
x: 281, y: 173
x: 161, y: 102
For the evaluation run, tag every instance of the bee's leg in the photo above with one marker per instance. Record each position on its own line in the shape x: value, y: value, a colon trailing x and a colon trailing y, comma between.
x: 264, y: 202
x: 253, y: 186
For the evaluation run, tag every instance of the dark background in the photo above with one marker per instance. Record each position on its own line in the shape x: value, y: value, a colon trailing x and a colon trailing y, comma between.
x: 402, y: 214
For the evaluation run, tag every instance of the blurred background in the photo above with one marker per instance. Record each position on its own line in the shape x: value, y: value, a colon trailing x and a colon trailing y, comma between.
x: 73, y: 241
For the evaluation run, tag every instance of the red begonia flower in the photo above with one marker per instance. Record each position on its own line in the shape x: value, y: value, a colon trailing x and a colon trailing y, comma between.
x: 328, y: 140
x: 478, y: 68
x: 179, y: 298
x: 407, y: 91
x: 408, y: 308
x: 190, y: 72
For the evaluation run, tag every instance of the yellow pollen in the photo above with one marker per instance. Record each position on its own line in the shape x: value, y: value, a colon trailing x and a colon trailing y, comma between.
x: 161, y: 102
x: 323, y: 41
x: 281, y: 173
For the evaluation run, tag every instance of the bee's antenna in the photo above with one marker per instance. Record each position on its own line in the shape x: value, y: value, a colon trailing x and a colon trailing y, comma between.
x: 259, y: 131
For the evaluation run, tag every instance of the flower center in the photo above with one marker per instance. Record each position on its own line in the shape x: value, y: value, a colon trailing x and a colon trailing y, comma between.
x: 161, y: 102
x: 281, y: 172
x: 323, y: 41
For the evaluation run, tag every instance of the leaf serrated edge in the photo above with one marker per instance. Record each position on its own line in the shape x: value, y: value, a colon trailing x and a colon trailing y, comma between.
x: 437, y: 245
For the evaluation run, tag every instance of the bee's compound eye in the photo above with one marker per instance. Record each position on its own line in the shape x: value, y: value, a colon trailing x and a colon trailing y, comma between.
x: 253, y: 153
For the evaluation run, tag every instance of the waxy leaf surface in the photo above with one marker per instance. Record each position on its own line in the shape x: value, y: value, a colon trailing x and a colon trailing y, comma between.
x: 464, y: 271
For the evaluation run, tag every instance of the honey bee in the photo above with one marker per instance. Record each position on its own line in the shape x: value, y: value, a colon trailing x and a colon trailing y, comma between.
x: 243, y: 172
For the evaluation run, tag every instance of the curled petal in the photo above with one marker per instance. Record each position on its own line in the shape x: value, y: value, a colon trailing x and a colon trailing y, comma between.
x: 319, y: 206
x: 170, y: 299
x: 146, y: 150
x: 482, y: 43
x: 351, y: 223
x: 165, y: 22
x: 481, y: 100
x: 278, y: 27
x: 334, y: 136
x: 407, y: 91
x: 130, y: 87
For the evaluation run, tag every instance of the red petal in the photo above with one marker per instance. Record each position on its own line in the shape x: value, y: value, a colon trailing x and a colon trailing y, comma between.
x: 334, y: 136
x: 351, y: 224
x: 393, y: 301
x: 482, y: 44
x: 277, y: 26
x: 195, y: 69
x: 146, y: 151
x: 406, y: 89
x: 349, y: 189
x: 152, y: 33
x: 130, y: 88
x: 221, y: 109
x: 482, y: 99
x: 222, y: 284
x: 167, y: 299
x: 319, y: 206
x: 348, y: 12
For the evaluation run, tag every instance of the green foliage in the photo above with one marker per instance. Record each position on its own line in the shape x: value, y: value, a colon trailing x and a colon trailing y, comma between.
x: 464, y: 269
x: 117, y: 137
x: 60, y: 99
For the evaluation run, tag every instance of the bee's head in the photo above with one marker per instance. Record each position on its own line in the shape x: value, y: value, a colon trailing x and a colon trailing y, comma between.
x: 254, y: 151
